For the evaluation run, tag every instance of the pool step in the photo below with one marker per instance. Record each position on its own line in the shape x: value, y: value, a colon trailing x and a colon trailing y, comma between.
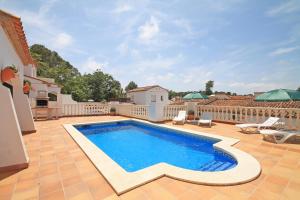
x: 216, y: 166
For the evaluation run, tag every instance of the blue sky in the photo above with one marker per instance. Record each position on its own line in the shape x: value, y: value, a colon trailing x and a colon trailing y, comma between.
x: 244, y: 46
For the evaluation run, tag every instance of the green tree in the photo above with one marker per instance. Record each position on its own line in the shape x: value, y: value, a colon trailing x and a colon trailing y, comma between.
x: 97, y: 86
x: 131, y: 85
x: 103, y: 86
x: 208, y: 87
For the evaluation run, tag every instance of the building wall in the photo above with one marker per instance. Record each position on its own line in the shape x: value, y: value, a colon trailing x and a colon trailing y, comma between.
x: 8, y: 55
x: 12, y: 149
x: 30, y: 70
x: 158, y: 92
x: 145, y: 97
x: 138, y: 97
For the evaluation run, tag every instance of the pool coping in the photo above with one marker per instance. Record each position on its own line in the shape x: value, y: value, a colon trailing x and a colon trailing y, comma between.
x: 247, y: 168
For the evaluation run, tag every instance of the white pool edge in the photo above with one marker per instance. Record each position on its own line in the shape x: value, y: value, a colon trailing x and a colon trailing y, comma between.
x: 247, y: 169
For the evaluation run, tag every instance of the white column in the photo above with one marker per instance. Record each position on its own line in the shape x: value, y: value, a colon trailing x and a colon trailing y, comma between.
x: 12, y: 148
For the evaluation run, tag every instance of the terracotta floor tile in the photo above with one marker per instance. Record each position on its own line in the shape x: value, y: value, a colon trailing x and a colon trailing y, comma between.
x: 47, y: 169
x: 31, y: 193
x: 155, y: 191
x: 57, y: 195
x: 6, y: 191
x: 49, y: 184
x: 25, y: 185
x: 77, y: 191
x: 135, y: 194
x: 72, y: 175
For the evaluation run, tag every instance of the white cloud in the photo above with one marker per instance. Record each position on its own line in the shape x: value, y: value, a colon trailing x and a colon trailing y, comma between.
x: 123, y: 48
x: 122, y: 8
x: 281, y: 51
x: 63, y: 40
x: 254, y: 87
x: 91, y: 65
x: 285, y: 8
x: 149, y: 30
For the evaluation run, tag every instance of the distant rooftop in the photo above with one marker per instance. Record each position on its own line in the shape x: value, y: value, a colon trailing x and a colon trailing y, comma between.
x: 145, y: 88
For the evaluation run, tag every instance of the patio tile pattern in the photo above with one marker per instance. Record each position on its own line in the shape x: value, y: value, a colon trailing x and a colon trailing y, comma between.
x: 59, y: 169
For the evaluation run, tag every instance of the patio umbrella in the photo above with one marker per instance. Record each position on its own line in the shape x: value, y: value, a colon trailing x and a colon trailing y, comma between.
x: 195, y: 95
x: 279, y: 95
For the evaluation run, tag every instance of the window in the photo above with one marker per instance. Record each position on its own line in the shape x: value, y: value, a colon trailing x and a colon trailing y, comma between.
x: 162, y: 98
x: 153, y: 98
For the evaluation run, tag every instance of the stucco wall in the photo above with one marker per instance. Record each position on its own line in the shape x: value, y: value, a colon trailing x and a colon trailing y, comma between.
x: 12, y: 149
x: 144, y: 97
x: 22, y: 107
x: 8, y: 55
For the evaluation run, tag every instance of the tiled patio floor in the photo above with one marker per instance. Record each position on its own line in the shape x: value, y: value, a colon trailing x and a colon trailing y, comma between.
x: 60, y: 170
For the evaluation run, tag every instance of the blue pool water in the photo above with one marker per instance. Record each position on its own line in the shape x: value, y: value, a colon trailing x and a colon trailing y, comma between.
x: 136, y: 145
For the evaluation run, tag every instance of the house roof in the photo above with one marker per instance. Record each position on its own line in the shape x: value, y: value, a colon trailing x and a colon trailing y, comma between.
x: 145, y: 88
x: 42, y: 80
x: 253, y: 103
x: 243, y: 101
x: 13, y: 27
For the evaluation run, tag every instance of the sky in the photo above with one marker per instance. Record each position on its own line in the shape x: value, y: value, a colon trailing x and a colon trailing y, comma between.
x: 242, y: 45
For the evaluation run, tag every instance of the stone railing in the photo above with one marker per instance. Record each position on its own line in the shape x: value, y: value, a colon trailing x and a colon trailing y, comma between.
x: 85, y: 109
x: 235, y: 114
x: 171, y: 111
x: 137, y: 111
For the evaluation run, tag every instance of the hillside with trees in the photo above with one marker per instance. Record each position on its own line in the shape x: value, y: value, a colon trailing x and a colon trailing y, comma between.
x: 97, y: 86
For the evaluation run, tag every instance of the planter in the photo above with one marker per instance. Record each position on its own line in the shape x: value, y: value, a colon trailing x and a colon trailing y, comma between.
x: 26, y: 88
x: 112, y: 113
x: 7, y: 74
x: 190, y: 117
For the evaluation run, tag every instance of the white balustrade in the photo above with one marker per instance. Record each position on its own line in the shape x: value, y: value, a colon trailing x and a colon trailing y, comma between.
x: 171, y: 111
x: 137, y: 111
x: 85, y: 109
x: 237, y: 114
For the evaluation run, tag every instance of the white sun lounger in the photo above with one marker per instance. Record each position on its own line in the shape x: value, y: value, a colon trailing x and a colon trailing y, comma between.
x: 267, y: 124
x: 180, y: 118
x: 278, y: 136
x: 206, y: 118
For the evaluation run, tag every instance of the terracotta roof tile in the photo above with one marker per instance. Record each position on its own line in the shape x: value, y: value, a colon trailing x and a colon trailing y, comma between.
x: 145, y: 88
x: 13, y: 27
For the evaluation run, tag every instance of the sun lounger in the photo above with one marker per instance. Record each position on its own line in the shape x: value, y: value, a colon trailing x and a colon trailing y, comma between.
x: 180, y: 119
x: 278, y: 136
x: 267, y: 124
x: 206, y: 118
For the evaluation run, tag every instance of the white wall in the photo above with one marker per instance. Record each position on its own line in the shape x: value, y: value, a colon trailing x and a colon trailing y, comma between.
x: 144, y: 97
x: 22, y: 107
x: 138, y: 98
x: 12, y: 149
x: 67, y: 99
x: 8, y: 55
x: 156, y: 108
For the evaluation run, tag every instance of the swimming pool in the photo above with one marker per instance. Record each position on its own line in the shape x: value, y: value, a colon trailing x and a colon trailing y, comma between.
x: 135, y: 146
x: 131, y: 152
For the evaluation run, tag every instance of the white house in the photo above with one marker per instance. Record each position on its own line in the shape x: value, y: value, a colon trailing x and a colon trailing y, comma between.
x: 149, y: 94
x: 155, y: 96
x: 15, y: 115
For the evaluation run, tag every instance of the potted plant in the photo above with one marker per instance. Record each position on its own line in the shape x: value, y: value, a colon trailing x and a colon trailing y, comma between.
x: 26, y: 86
x: 8, y: 73
x: 112, y: 111
x: 191, y: 115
